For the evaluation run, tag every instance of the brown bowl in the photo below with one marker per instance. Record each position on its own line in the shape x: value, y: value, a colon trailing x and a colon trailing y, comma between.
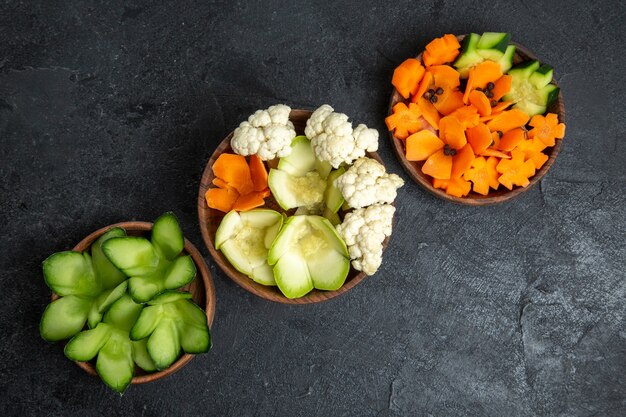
x: 210, y: 220
x: 495, y: 196
x: 201, y: 289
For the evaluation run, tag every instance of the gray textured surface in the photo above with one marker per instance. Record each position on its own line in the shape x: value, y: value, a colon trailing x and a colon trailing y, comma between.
x: 109, y: 113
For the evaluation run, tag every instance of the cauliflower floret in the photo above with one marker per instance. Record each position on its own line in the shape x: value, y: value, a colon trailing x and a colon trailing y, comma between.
x: 267, y: 133
x: 333, y: 139
x: 364, y: 231
x: 367, y: 182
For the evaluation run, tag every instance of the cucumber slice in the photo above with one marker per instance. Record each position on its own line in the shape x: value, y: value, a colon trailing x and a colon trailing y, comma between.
x: 195, y: 337
x: 332, y: 217
x: 506, y: 62
x: 541, y: 77
x: 169, y: 297
x: 107, y: 298
x: 167, y: 235
x: 134, y: 256
x: 245, y: 238
x: 146, y: 323
x: 123, y: 313
x: 86, y: 345
x: 64, y: 318
x: 301, y: 159
x: 115, y: 362
x: 492, y: 45
x: 308, y: 253
x: 332, y: 195
x: 108, y: 275
x: 164, y: 344
x: 292, y: 191
x: 180, y: 272
x: 141, y: 356
x: 70, y: 273
x: 468, y: 54
x: 524, y: 70
x: 94, y: 316
x: 142, y: 289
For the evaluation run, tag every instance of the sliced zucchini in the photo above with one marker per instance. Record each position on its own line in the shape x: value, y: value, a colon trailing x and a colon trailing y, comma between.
x: 146, y: 323
x: 141, y: 356
x: 107, y: 298
x: 164, y: 344
x: 123, y: 313
x: 295, y: 191
x: 167, y: 235
x: 301, y: 159
x: 143, y: 288
x: 65, y: 317
x: 115, y: 361
x: 180, y: 272
x: 108, y: 275
x: 135, y: 256
x: 71, y: 273
x: 332, y: 217
x: 332, y: 195
x: 86, y: 345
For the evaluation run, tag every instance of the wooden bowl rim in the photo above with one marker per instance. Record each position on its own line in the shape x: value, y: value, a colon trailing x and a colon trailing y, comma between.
x: 315, y: 296
x: 205, y: 279
x: 473, y: 199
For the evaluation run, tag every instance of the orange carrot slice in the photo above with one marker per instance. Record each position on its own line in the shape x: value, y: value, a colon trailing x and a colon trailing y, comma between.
x: 515, y: 171
x: 429, y: 112
x: 496, y: 153
x: 234, y: 170
x: 249, y: 201
x: 438, y: 165
x: 449, y: 101
x: 479, y: 100
x: 467, y: 115
x: 258, y: 173
x: 508, y: 120
x: 479, y: 137
x: 511, y: 139
x: 462, y: 161
x: 404, y: 120
x: 530, y: 147
x: 445, y: 76
x: 441, y: 50
x: 501, y: 86
x: 221, y: 199
x: 425, y: 84
x: 483, y: 174
x: 407, y: 76
x: 220, y: 183
x: 484, y: 73
x: 547, y: 128
x: 539, y: 159
x: 452, y: 132
x: 421, y: 145
x: 458, y: 187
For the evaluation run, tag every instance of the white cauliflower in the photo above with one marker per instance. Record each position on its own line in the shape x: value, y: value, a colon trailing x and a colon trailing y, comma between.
x: 333, y: 139
x: 367, y: 182
x: 364, y: 231
x: 267, y: 133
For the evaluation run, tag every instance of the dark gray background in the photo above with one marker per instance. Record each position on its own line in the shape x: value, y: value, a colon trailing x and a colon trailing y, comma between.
x: 109, y: 112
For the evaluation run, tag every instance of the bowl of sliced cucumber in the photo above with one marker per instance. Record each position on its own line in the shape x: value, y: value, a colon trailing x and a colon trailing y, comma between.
x: 287, y: 241
x: 476, y: 119
x: 130, y: 330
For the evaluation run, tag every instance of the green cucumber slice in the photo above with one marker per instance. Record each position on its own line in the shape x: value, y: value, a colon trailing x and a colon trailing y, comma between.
x: 195, y: 337
x: 525, y: 92
x: 492, y: 45
x: 70, y: 273
x: 295, y: 191
x: 141, y: 356
x: 328, y: 234
x: 169, y: 297
x: 301, y: 159
x: 263, y: 274
x: 146, y: 323
x: 107, y: 298
x: 65, y: 317
x: 332, y: 195
x: 123, y: 313
x: 134, y: 256
x: 143, y: 288
x: 167, y: 235
x: 506, y: 62
x: 164, y: 344
x: 468, y: 54
x: 115, y: 362
x: 94, y: 316
x: 292, y: 275
x: 108, y: 275
x: 180, y: 272
x: 541, y: 77
x: 328, y: 270
x: 86, y: 345
x: 227, y: 228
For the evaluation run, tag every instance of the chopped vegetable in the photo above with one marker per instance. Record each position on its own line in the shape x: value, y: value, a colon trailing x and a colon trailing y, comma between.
x: 515, y: 171
x: 234, y: 170
x: 483, y: 174
x: 258, y: 173
x: 547, y: 128
x: 407, y: 76
x: 404, y: 120
x: 420, y: 145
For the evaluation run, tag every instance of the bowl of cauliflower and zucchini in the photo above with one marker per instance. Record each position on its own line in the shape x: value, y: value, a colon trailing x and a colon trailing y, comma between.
x: 296, y: 206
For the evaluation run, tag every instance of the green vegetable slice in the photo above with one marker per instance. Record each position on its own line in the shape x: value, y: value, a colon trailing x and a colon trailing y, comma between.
x: 108, y: 275
x: 164, y: 344
x: 134, y: 256
x: 180, y: 272
x: 167, y: 235
x: 141, y: 356
x: 123, y: 313
x: 70, y: 273
x: 64, y: 317
x: 86, y: 345
x: 169, y: 297
x: 146, y: 323
x: 115, y: 361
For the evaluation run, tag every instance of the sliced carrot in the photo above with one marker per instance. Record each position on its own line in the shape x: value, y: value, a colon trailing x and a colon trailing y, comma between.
x: 407, y: 76
x: 479, y: 137
x: 458, y: 187
x: 249, y: 201
x: 220, y: 183
x: 501, y: 86
x: 442, y: 184
x: 501, y: 106
x: 496, y: 153
x: 479, y: 100
x: 429, y: 112
x: 483, y: 174
x: 547, y: 128
x: 445, y: 76
x: 530, y: 147
x: 234, y: 170
x: 515, y: 171
x: 441, y: 50
x: 511, y: 139
x: 467, y: 115
x: 258, y: 173
x: 462, y: 161
x: 221, y: 199
x: 469, y: 87
x: 420, y: 145
x: 438, y: 165
x: 539, y: 159
x: 425, y: 84
x: 495, y: 140
x: 452, y: 132
x: 449, y: 101
x: 508, y: 120
x: 265, y: 193
x: 404, y: 120
x: 484, y: 73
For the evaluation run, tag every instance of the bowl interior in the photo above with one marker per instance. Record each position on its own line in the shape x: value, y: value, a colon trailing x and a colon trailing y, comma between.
x: 210, y: 220
x: 201, y: 289
x: 495, y: 196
